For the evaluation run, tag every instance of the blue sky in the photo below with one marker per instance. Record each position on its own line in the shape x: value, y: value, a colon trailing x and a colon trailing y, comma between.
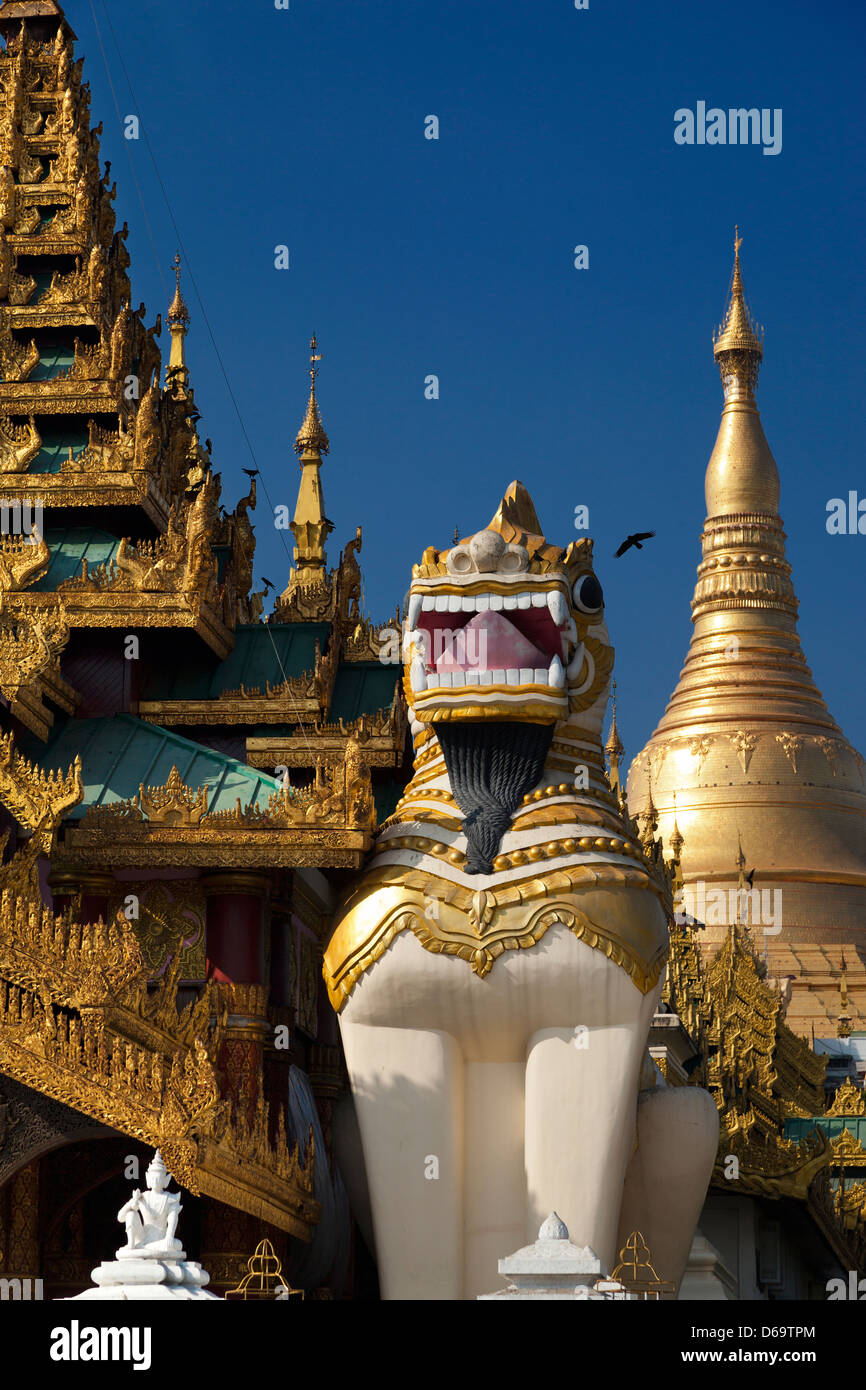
x: 305, y: 127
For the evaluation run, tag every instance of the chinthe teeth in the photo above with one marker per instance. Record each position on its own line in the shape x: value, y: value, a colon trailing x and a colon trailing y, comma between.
x: 510, y: 601
x: 486, y: 677
x: 526, y: 675
x: 473, y: 677
x: 524, y: 600
x: 556, y: 673
x: 428, y: 604
x: 539, y: 600
x: 468, y: 604
x: 482, y: 603
x: 540, y: 676
x: 417, y: 675
x: 558, y: 607
x: 442, y: 603
x: 414, y: 610
x: 455, y: 603
x: 496, y: 602
x: 512, y: 677
x: 575, y: 666
x: 443, y: 678
x: 458, y: 677
x: 498, y: 677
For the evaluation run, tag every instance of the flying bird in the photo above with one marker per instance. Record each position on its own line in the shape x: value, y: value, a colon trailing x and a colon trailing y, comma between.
x: 635, y: 541
x: 749, y: 876
x: 251, y: 472
x: 269, y: 584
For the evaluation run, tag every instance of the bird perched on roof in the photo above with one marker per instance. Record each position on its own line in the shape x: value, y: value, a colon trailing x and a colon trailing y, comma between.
x: 635, y: 541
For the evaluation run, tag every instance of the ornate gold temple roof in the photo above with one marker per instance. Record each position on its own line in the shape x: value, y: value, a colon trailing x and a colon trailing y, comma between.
x: 746, y: 744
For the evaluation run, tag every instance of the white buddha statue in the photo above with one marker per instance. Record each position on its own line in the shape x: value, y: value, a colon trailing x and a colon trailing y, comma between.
x: 151, y: 1217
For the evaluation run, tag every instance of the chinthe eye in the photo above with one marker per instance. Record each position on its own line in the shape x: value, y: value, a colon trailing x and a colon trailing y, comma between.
x: 588, y: 596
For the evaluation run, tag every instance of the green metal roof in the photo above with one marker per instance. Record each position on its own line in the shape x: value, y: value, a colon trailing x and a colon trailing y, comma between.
x: 832, y: 1125
x: 52, y: 361
x: 263, y: 653
x: 69, y: 547
x: 363, y: 687
x: 119, y: 753
x: 55, y: 447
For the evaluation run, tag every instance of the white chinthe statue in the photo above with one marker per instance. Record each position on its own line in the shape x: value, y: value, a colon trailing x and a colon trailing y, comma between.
x: 497, y: 966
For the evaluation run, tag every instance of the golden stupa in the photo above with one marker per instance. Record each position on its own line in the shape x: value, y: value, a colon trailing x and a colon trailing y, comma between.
x: 767, y: 791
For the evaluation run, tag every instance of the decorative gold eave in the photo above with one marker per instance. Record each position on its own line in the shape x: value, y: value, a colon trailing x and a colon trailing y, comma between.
x: 130, y: 609
x: 240, y: 707
x: 78, y: 1024
x: 62, y: 396
x: 135, y: 488
x: 381, y: 736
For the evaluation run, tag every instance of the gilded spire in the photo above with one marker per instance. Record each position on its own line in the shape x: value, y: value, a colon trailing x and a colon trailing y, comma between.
x: 614, y: 750
x: 739, y: 332
x: 675, y: 839
x: 177, y: 372
x: 310, y: 526
x: 311, y: 436
x: 178, y: 313
x: 741, y: 475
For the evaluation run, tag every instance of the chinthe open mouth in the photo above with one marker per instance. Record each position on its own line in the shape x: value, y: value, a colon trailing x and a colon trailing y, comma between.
x: 495, y: 637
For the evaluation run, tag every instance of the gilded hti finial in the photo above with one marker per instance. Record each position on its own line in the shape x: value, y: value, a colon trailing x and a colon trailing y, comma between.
x: 178, y: 313
x: 311, y: 436
x: 737, y: 346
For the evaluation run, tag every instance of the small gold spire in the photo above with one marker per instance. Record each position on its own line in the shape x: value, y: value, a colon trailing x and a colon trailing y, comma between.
x: 310, y: 527
x: 649, y: 819
x: 614, y: 750
x: 311, y: 436
x: 177, y: 372
x: 675, y: 839
x: 178, y: 313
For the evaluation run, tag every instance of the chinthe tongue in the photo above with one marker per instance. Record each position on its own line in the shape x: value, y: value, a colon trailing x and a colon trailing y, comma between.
x: 489, y: 643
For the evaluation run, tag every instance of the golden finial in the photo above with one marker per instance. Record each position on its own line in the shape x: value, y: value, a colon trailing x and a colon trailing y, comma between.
x: 737, y: 346
x: 178, y: 313
x: 311, y: 436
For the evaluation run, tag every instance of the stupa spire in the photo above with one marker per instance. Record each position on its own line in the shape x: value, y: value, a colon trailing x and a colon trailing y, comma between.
x: 177, y: 372
x: 614, y: 749
x: 741, y: 474
x: 310, y: 526
x: 311, y: 437
x: 746, y: 744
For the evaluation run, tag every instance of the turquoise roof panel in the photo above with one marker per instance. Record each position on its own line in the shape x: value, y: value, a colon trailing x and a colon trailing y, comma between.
x: 120, y: 753
x: 52, y: 361
x: 262, y: 653
x: 69, y: 547
x: 363, y: 687
x: 55, y: 448
x: 832, y: 1125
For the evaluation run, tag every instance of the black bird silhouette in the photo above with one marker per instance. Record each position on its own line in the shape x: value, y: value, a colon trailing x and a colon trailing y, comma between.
x: 749, y: 876
x: 268, y: 583
x: 635, y: 541
x: 251, y: 472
